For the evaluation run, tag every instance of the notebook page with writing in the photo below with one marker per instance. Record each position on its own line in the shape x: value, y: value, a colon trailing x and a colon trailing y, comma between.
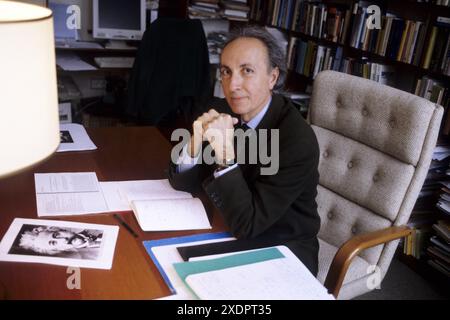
x: 274, y: 279
x: 171, y: 214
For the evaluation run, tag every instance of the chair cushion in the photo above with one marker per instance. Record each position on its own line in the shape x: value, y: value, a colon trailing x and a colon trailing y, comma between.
x: 341, y: 219
x: 382, y: 117
x: 362, y: 174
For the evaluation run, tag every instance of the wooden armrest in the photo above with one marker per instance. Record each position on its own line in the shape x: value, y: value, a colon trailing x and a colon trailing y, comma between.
x: 352, y: 247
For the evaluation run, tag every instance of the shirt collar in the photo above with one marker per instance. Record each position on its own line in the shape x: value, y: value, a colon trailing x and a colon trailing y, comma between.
x: 254, y: 122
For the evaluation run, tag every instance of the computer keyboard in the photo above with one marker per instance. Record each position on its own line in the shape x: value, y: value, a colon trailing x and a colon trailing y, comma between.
x: 114, y: 62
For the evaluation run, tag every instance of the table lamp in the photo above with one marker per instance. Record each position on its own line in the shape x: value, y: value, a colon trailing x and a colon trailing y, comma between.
x: 29, y: 118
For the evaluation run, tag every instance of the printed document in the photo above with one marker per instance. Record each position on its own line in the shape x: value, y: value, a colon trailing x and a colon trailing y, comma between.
x: 74, y: 138
x: 68, y: 193
x: 276, y: 278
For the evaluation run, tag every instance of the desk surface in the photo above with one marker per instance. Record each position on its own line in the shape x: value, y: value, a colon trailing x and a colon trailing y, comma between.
x: 124, y: 153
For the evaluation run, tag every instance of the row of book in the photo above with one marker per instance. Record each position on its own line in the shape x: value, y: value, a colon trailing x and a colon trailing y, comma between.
x: 405, y: 40
x: 443, y: 3
x: 215, y: 9
x: 311, y: 18
x: 309, y: 58
x: 438, y: 251
x: 397, y: 39
x: 434, y: 191
x: 437, y: 92
x: 438, y: 247
x: 437, y: 57
x: 433, y: 90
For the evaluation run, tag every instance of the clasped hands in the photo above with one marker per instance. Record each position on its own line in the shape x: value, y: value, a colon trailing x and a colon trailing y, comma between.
x: 218, y: 130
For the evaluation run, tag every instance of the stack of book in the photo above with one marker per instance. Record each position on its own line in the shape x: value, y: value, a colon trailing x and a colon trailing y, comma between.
x: 204, y: 9
x: 443, y: 3
x: 424, y: 213
x: 432, y: 90
x: 300, y: 100
x: 237, y: 10
x: 215, y: 9
x: 440, y: 166
x: 439, y: 249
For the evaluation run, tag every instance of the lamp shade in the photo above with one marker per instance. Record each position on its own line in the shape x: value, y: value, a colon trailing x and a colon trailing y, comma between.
x: 29, y: 120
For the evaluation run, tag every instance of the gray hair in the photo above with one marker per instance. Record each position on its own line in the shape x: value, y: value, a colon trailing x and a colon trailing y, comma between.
x: 276, y: 56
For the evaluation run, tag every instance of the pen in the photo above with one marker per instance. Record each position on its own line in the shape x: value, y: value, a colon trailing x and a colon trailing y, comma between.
x: 123, y: 223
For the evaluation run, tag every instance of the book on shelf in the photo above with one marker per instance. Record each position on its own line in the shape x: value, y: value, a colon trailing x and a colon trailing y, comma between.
x: 442, y: 229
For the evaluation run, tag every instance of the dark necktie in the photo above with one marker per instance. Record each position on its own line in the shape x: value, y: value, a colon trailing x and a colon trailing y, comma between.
x: 242, y: 126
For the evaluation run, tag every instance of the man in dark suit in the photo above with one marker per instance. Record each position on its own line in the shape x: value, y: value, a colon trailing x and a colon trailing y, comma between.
x: 260, y: 209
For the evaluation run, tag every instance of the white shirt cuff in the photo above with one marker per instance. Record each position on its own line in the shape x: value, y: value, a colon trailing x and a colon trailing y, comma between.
x: 185, y: 161
x: 217, y: 173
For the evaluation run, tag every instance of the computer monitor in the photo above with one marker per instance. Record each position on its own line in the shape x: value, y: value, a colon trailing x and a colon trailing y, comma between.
x: 64, y: 11
x: 118, y: 19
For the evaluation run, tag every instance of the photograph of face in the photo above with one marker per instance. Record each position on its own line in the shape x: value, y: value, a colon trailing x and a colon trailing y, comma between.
x: 57, y: 242
x: 65, y: 136
x: 64, y: 243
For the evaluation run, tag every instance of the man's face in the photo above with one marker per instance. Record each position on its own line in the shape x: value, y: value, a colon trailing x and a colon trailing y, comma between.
x: 58, y: 240
x: 246, y: 79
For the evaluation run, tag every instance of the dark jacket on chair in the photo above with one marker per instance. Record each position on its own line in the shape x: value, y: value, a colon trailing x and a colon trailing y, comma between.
x: 265, y: 210
x: 171, y: 71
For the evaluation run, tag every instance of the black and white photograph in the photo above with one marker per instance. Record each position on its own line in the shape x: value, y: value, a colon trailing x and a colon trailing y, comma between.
x: 65, y: 136
x: 59, y: 242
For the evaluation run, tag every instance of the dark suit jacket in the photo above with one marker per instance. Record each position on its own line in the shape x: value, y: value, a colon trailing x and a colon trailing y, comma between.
x: 263, y: 210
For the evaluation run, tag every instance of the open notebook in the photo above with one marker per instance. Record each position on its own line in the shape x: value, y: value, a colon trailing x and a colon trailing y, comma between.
x: 170, y: 214
x: 273, y: 273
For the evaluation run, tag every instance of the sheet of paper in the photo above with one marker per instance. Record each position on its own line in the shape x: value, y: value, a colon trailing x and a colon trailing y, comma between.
x: 68, y: 193
x: 173, y: 214
x: 167, y: 255
x: 66, y: 182
x: 97, y: 251
x: 118, y: 193
x: 69, y: 61
x: 114, y: 197
x: 284, y: 278
x: 74, y: 138
x: 73, y: 203
x: 151, y: 190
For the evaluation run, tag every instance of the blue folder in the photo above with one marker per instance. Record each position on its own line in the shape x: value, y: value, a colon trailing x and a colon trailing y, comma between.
x: 178, y: 240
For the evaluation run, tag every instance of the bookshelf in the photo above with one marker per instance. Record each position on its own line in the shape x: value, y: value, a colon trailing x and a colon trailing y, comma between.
x: 333, y: 25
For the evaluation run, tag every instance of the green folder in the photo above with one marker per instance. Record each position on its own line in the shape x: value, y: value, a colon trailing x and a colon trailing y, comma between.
x: 185, y: 269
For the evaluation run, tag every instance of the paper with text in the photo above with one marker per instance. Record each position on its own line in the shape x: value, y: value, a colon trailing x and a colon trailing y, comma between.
x: 74, y: 138
x: 57, y: 204
x: 66, y: 182
x: 68, y: 193
x: 118, y: 194
x: 284, y: 278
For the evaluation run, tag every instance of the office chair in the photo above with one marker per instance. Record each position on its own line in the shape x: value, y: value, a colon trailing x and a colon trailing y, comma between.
x: 376, y: 144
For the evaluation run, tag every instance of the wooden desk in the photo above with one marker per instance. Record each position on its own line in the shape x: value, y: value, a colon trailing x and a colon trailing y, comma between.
x: 124, y: 153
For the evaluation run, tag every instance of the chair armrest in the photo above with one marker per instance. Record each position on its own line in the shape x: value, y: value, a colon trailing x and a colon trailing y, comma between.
x: 352, y: 247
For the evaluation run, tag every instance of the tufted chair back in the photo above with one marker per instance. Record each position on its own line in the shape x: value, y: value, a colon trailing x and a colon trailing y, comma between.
x: 376, y: 144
